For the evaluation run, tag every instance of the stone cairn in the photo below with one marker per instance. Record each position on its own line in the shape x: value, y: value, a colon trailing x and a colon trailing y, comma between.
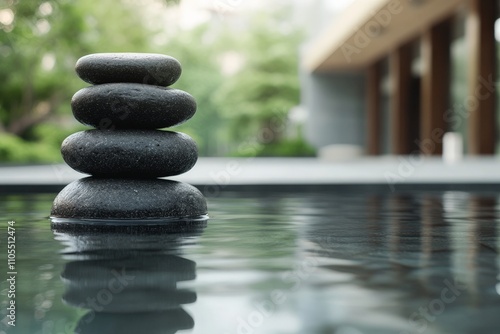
x: 126, y: 154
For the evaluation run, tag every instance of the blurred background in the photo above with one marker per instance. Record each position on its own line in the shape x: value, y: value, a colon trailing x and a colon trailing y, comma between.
x: 333, y: 79
x: 239, y: 58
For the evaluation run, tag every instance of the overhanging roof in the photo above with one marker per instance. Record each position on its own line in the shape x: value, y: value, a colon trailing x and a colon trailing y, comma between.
x: 369, y: 29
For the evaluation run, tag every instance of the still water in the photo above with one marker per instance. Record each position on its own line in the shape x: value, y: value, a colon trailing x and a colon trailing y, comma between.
x: 267, y: 262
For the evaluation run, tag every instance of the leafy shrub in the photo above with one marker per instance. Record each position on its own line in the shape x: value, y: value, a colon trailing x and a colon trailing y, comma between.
x: 296, y: 147
x: 15, y: 149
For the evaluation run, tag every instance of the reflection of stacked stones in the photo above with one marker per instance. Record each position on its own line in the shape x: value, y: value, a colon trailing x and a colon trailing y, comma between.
x: 126, y: 153
x: 128, y: 282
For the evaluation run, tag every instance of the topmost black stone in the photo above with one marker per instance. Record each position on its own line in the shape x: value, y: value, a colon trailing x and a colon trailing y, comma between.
x: 145, y: 68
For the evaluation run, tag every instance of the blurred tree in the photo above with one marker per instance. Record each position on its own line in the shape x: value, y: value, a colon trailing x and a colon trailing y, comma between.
x: 201, y: 77
x: 242, y: 72
x: 39, y: 45
x: 32, y: 85
x: 256, y: 99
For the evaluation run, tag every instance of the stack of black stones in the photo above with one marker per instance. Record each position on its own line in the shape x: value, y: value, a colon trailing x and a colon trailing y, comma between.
x: 126, y: 154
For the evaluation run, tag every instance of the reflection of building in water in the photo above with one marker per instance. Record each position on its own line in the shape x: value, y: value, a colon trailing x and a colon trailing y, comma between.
x: 429, y: 264
x: 481, y: 252
x: 128, y: 282
x: 435, y: 250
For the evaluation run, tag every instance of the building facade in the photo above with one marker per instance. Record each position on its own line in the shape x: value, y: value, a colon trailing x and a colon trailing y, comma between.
x: 394, y: 76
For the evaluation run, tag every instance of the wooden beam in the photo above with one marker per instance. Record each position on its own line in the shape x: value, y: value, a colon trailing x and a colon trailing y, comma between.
x: 373, y: 121
x: 435, y: 87
x: 400, y: 71
x: 368, y: 29
x: 481, y: 101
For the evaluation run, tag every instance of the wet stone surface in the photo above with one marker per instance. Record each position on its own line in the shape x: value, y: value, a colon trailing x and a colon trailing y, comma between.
x: 95, y: 198
x: 144, y: 68
x: 132, y: 106
x: 130, y: 153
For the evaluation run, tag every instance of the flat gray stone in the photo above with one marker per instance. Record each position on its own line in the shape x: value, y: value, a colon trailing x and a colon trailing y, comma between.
x: 146, y: 68
x: 131, y: 105
x: 130, y: 153
x: 108, y: 199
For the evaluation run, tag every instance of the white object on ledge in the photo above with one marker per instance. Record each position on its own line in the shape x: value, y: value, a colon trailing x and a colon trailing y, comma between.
x: 339, y: 152
x: 453, y: 147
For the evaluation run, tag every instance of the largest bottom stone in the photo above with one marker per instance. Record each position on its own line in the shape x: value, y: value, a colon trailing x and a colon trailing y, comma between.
x: 95, y: 198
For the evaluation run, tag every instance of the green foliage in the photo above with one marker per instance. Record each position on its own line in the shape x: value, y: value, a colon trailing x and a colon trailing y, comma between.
x: 295, y: 147
x: 39, y: 49
x: 52, y: 134
x: 32, y: 70
x: 14, y: 149
x: 268, y: 83
x: 201, y: 77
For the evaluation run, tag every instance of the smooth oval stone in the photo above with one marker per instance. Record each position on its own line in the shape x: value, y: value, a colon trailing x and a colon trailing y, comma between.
x: 130, y: 105
x: 130, y: 153
x: 146, y: 68
x: 125, y: 199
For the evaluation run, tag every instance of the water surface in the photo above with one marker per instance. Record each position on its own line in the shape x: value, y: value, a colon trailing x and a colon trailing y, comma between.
x: 267, y: 262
